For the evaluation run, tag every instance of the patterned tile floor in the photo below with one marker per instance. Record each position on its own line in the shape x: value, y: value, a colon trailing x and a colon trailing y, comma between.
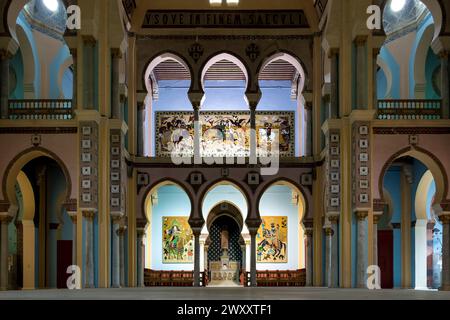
x: 225, y: 294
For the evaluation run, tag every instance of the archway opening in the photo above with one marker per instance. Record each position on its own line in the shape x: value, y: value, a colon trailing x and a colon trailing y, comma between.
x: 282, y: 106
x: 168, y: 111
x: 41, y: 234
x: 281, y: 237
x: 411, y: 27
x: 409, y: 233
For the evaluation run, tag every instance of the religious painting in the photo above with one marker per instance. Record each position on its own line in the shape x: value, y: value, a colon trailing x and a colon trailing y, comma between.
x: 177, y: 240
x: 174, y: 134
x: 225, y: 134
x: 276, y: 131
x: 271, y: 240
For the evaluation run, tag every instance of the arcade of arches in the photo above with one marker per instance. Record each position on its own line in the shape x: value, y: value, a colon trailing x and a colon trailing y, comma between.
x: 187, y: 145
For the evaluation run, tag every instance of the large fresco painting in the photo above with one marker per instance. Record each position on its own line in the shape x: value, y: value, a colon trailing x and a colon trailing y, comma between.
x: 174, y: 133
x: 225, y: 133
x: 276, y: 127
x: 178, y: 240
x: 271, y: 240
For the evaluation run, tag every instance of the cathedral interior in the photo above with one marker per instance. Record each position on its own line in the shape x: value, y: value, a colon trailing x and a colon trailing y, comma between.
x: 234, y: 143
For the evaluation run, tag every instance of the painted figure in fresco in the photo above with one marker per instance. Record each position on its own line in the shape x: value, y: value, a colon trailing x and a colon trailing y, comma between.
x: 271, y: 247
x: 176, y: 246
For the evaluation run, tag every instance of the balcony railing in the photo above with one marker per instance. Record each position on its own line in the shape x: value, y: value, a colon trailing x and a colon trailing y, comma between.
x: 40, y: 109
x: 409, y: 110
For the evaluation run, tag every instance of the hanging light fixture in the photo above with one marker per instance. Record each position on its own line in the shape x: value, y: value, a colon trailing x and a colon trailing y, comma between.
x: 219, y: 2
x: 397, y: 5
x: 51, y: 5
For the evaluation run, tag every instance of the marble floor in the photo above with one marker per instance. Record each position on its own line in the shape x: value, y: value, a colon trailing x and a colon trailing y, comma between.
x: 224, y: 294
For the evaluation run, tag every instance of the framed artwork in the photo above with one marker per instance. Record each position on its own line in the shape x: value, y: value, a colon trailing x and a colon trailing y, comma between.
x: 276, y: 126
x: 174, y: 134
x: 177, y: 240
x: 271, y: 240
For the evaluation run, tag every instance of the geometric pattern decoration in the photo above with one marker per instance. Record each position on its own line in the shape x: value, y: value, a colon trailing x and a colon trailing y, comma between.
x: 333, y: 172
x: 271, y: 240
x: 215, y: 250
x: 361, y: 164
x: 224, y: 133
x: 117, y: 171
x: 88, y: 164
x: 177, y: 240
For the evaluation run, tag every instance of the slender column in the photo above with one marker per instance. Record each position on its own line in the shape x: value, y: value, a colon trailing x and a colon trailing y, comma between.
x: 334, y: 279
x: 116, y: 55
x: 309, y: 256
x: 254, y: 282
x: 140, y: 257
x: 361, y: 251
x: 309, y: 132
x: 376, y: 219
x: 361, y: 73
x: 196, y: 257
x: 334, y: 75
x: 89, y: 248
x: 376, y: 52
x: 253, y: 135
x: 445, y: 84
x: 140, y: 128
x: 445, y: 219
x: 116, y: 219
x: 4, y: 222
x: 328, y: 255
x: 197, y: 132
x: 121, y: 234
x: 73, y: 217
x: 4, y: 81
x: 89, y: 72
x: 73, y: 52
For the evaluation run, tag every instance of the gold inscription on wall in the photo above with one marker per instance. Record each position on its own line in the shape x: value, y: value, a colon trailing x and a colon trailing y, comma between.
x: 225, y: 19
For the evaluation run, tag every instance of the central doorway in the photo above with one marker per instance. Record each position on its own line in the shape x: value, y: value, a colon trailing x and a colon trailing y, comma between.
x: 225, y: 247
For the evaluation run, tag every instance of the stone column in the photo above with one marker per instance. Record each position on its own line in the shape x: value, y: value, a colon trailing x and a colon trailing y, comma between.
x: 73, y: 217
x: 121, y: 234
x: 140, y: 128
x: 89, y: 216
x: 116, y: 55
x: 309, y: 256
x: 334, y: 276
x: 334, y: 75
x: 445, y: 84
x: 197, y: 232
x: 309, y: 132
x: 361, y: 72
x: 197, y: 132
x: 328, y: 255
x: 5, y: 219
x: 89, y: 72
x: 73, y: 52
x: 253, y: 280
x: 253, y: 134
x: 445, y: 220
x: 376, y: 52
x: 115, y: 267
x: 361, y: 251
x: 140, y: 250
x: 4, y: 82
x: 376, y: 219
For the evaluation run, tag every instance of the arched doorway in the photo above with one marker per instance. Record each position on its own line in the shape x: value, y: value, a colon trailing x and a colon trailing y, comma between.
x: 225, y: 249
x: 409, y: 233
x: 41, y: 235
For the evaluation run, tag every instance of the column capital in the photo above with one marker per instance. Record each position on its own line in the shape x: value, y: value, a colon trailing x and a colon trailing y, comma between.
x: 333, y: 218
x: 5, y: 54
x: 117, y: 217
x: 333, y: 52
x: 329, y: 232
x: 444, y: 217
x: 309, y: 232
x: 196, y: 224
x: 361, y: 214
x: 140, y: 232
x: 73, y: 52
x: 376, y: 218
x: 73, y: 216
x: 89, y: 213
x: 5, y: 218
x: 116, y: 53
x: 121, y: 231
x: 443, y: 54
x: 89, y: 40
x: 360, y: 40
